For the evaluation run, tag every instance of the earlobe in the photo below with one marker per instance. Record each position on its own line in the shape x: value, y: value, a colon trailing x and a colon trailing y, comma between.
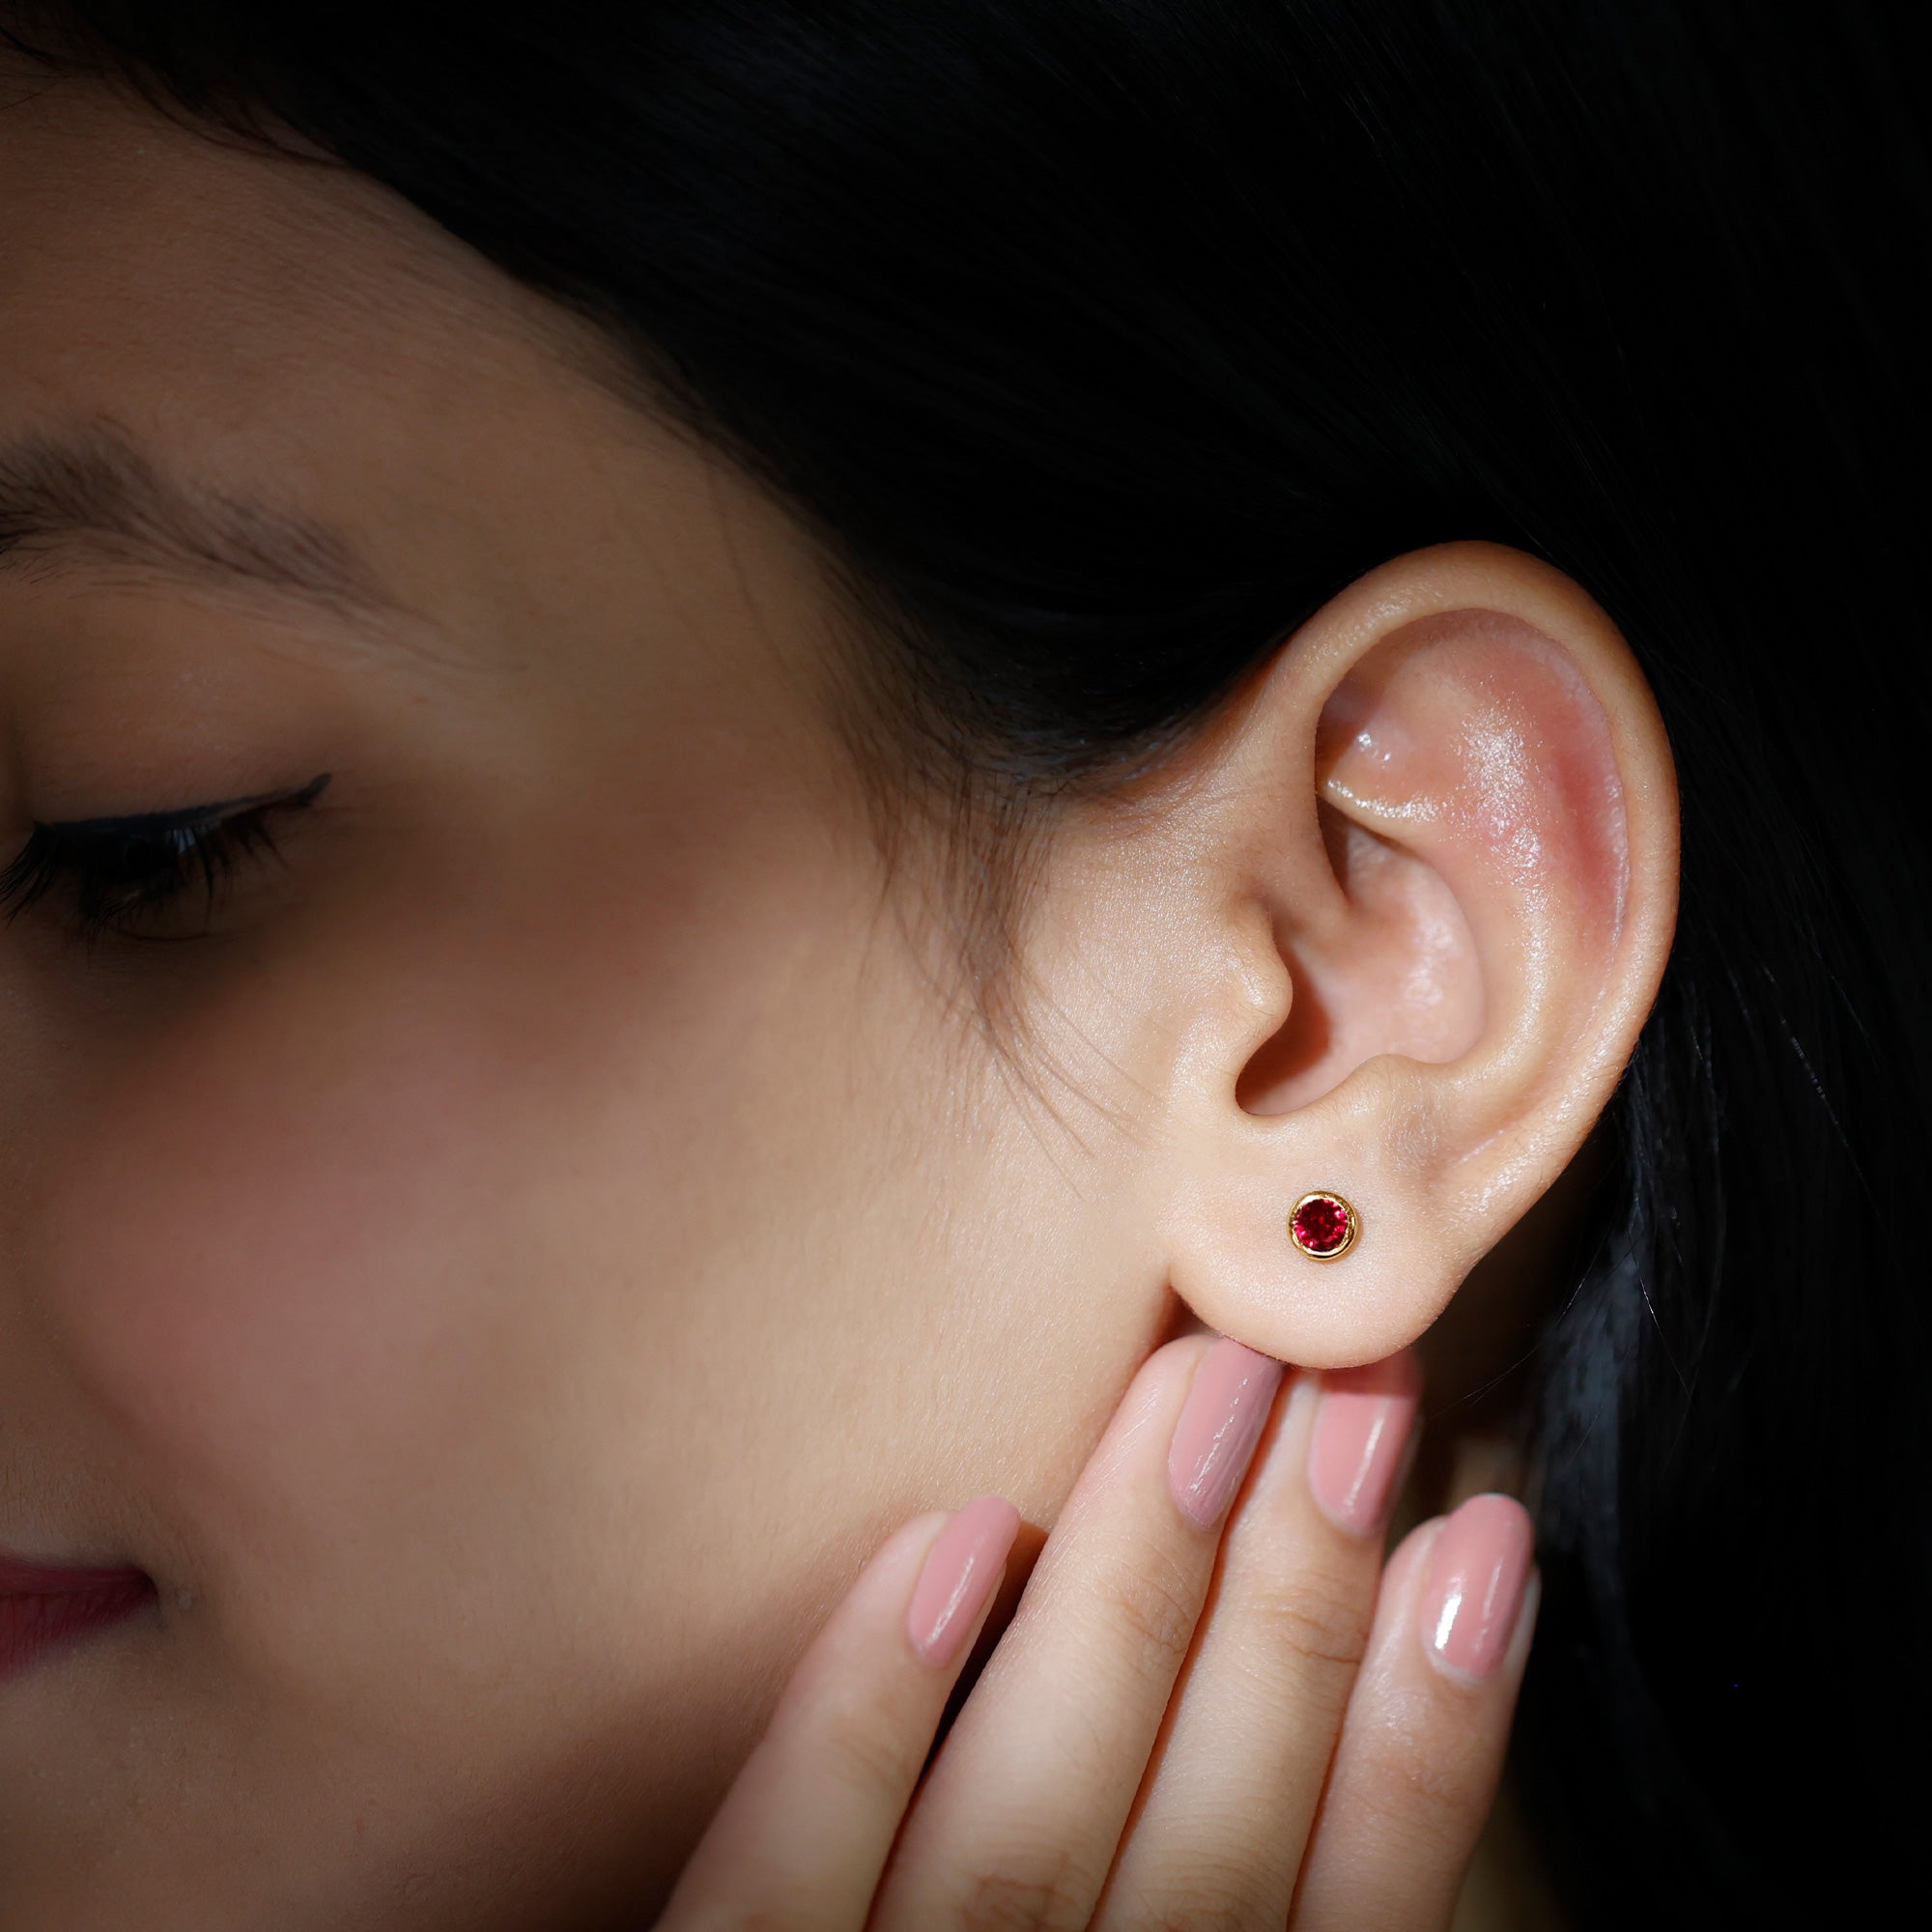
x: 1447, y: 819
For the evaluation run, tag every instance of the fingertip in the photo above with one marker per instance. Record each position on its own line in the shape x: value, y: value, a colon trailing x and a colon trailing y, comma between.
x: 917, y: 1532
x: 1399, y: 1375
x: 888, y: 1572
x: 1524, y: 1634
x: 1476, y: 1586
x: 1170, y: 1367
x: 1400, y: 1566
x: 961, y: 1571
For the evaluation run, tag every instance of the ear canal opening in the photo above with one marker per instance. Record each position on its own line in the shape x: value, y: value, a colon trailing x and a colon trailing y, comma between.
x: 1405, y: 973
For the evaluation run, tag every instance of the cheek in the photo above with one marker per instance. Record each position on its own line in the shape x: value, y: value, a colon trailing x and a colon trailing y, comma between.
x: 258, y: 1254
x: 435, y: 1253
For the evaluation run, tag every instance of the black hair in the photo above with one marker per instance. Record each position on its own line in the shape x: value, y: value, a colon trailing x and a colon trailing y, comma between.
x: 1100, y: 342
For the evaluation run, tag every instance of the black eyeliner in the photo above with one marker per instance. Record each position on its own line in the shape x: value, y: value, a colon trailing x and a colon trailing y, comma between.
x: 193, y: 818
x: 149, y: 858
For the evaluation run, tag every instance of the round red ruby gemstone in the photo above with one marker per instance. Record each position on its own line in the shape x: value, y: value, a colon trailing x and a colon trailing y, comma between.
x: 1321, y: 1224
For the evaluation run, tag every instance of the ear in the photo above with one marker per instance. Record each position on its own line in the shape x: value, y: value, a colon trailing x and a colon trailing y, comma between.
x: 1417, y: 891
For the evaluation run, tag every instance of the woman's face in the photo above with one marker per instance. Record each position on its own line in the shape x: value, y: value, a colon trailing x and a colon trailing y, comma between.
x: 499, y: 1266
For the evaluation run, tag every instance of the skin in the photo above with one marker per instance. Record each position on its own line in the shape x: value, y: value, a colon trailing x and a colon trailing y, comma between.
x: 505, y: 1271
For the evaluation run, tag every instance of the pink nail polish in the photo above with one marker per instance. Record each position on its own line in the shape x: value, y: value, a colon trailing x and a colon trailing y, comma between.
x: 1222, y: 1419
x: 959, y: 1574
x: 1473, y: 1594
x: 1362, y: 1426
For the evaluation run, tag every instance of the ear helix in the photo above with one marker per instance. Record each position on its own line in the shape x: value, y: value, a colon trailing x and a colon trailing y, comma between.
x: 1323, y: 1225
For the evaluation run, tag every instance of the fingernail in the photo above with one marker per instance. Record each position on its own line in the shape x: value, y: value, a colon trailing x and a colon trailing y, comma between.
x: 1362, y: 1426
x: 1222, y: 1419
x: 957, y: 1577
x: 1473, y: 1594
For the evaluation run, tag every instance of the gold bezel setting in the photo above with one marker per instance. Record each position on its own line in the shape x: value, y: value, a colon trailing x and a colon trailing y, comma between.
x: 1351, y: 1225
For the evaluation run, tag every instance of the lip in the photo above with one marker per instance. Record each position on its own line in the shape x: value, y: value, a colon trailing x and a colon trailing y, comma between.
x: 45, y: 1605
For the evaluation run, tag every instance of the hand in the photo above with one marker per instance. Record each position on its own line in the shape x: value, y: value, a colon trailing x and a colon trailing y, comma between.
x: 1179, y: 1727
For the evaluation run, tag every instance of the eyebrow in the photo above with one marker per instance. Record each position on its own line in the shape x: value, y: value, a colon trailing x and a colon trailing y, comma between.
x: 91, y: 488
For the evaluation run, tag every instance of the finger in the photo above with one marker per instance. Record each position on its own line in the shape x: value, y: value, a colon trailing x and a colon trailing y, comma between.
x: 1022, y: 1811
x: 1224, y: 1816
x: 1422, y: 1743
x: 803, y: 1835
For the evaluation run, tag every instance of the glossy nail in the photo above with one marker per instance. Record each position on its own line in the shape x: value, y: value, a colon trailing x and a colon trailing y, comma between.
x: 1473, y: 1593
x: 1362, y: 1426
x: 1222, y: 1419
x: 958, y: 1576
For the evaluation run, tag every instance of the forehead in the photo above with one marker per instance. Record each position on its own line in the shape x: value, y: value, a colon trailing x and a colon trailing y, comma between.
x: 268, y: 330
x: 285, y: 330
x: 133, y: 247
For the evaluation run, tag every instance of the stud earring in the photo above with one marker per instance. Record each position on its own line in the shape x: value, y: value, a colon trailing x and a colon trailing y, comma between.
x: 1323, y: 1225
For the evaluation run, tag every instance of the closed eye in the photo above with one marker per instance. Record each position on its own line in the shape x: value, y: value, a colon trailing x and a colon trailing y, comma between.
x: 121, y: 874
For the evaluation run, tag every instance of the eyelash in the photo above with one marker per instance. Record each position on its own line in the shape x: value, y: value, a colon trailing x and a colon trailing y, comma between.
x: 127, y: 867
